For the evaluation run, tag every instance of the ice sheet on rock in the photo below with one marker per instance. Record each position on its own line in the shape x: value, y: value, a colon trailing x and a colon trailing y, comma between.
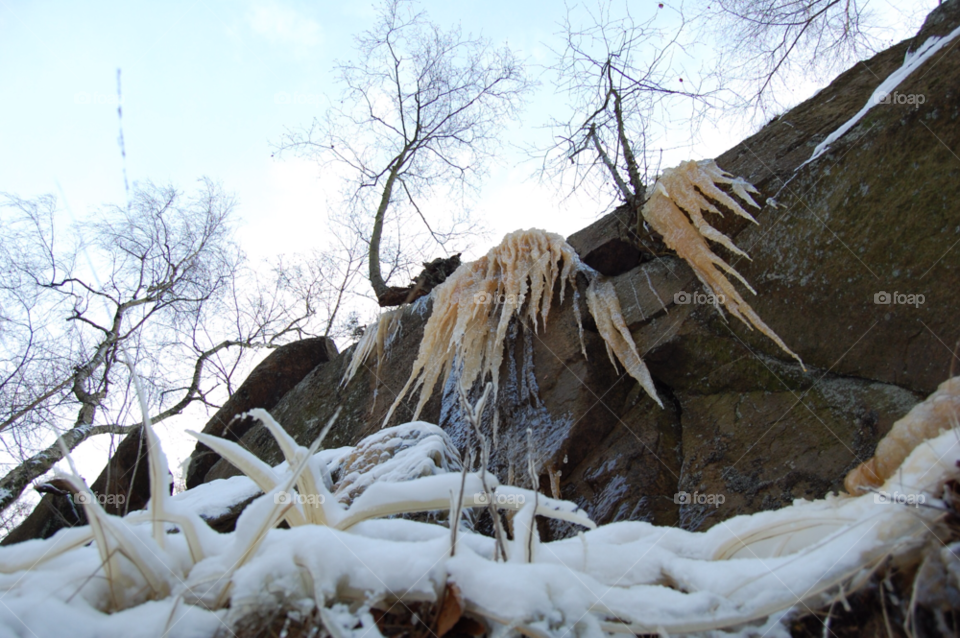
x: 519, y: 403
x: 911, y: 62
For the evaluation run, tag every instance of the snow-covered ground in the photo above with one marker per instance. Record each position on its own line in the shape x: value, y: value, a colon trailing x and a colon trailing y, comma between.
x: 180, y: 578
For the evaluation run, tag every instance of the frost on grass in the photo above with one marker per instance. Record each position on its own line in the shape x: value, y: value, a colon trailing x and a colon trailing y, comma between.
x: 675, y: 211
x: 746, y: 576
x: 474, y: 307
x: 401, y: 453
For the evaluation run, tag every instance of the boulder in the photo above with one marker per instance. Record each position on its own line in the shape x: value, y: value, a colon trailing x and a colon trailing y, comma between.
x: 610, y: 245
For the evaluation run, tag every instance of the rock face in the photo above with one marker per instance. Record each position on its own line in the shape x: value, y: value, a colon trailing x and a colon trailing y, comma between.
x: 276, y: 375
x: 876, y: 216
x: 610, y: 245
x: 875, y: 219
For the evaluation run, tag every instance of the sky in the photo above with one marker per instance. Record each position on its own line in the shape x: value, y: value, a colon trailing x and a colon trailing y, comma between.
x: 208, y: 86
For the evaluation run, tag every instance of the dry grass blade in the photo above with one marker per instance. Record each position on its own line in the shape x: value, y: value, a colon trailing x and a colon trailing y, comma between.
x: 156, y: 460
x: 274, y: 515
x: 924, y: 421
x: 261, y: 473
x: 104, y: 527
x: 313, y: 509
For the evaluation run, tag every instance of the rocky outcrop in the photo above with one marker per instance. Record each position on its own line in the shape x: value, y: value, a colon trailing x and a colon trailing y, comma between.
x: 611, y: 245
x: 743, y: 428
x: 276, y: 375
x: 876, y: 215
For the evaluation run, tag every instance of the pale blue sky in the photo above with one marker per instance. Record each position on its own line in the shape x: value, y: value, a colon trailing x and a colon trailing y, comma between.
x: 201, y: 81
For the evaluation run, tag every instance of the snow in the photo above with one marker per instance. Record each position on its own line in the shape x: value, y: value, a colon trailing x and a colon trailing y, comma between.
x: 912, y: 61
x: 214, y: 499
x: 744, y: 575
x: 397, y: 454
x: 23, y: 616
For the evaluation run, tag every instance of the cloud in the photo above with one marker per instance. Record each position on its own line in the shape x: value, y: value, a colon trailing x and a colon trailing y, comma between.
x: 283, y: 24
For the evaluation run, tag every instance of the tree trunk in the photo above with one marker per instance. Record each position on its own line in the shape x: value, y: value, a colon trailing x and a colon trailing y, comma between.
x: 380, y: 288
x: 17, y: 480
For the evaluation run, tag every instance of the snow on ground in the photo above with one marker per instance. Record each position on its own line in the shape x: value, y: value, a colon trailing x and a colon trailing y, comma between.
x: 627, y: 576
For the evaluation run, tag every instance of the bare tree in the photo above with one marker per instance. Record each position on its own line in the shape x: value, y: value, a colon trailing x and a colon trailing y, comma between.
x: 160, y: 281
x: 769, y: 42
x: 324, y: 283
x: 621, y: 78
x: 421, y: 109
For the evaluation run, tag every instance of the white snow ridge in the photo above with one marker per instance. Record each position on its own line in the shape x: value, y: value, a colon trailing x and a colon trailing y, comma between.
x: 164, y: 572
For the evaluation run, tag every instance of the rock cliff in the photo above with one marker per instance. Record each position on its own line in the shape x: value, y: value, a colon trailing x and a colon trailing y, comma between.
x: 875, y: 217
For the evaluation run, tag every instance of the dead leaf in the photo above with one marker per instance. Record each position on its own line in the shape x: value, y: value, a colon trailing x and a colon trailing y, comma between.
x: 451, y: 609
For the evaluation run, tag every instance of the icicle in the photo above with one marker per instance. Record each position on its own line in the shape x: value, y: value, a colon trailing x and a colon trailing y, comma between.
x: 473, y: 308
x: 379, y: 336
x: 675, y: 211
x: 605, y: 308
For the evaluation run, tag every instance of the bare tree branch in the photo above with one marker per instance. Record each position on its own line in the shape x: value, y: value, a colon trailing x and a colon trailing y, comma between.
x: 620, y: 78
x: 421, y: 107
x: 160, y: 280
